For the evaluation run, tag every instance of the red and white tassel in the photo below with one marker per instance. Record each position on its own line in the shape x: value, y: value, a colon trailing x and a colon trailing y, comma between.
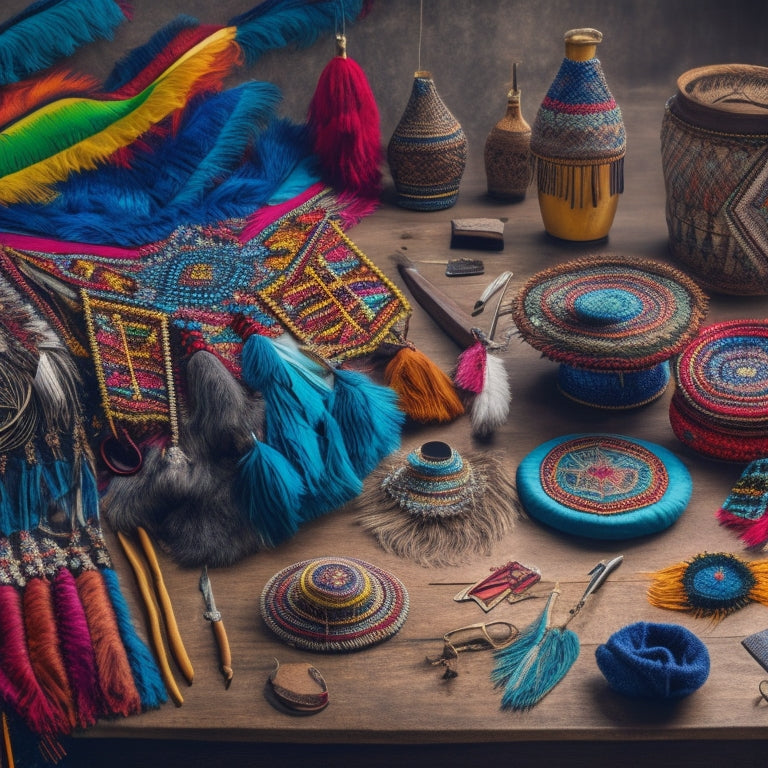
x: 485, y: 376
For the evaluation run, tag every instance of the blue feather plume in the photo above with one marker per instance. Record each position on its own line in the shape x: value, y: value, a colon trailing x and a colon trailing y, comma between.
x: 146, y: 674
x: 279, y: 23
x: 50, y: 30
x: 536, y: 662
x: 369, y: 418
x: 270, y: 491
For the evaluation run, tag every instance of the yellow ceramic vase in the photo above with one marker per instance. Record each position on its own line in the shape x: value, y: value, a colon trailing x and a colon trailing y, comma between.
x: 578, y: 143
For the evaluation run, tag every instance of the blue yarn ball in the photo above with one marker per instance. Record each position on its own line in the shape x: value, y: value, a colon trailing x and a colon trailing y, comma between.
x: 654, y: 661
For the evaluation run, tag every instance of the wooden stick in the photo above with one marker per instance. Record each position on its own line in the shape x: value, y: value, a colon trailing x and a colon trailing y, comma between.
x: 8, y: 747
x: 153, y: 618
x: 175, y: 642
x: 225, y: 655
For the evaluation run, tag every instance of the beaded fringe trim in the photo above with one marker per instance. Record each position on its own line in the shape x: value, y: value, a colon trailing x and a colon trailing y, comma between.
x: 567, y: 180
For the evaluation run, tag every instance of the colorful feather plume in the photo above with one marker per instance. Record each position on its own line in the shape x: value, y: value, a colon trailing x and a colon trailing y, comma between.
x: 49, y: 30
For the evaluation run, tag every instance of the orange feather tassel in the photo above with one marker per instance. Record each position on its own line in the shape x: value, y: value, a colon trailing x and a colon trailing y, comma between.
x: 114, y: 669
x: 426, y: 394
x: 44, y: 647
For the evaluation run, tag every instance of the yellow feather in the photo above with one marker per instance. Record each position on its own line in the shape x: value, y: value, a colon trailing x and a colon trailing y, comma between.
x: 166, y: 94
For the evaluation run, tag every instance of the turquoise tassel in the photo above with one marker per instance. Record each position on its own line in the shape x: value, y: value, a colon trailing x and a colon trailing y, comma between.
x: 30, y: 497
x: 271, y: 492
x: 369, y: 418
x: 89, y: 493
x: 146, y: 675
x: 535, y: 663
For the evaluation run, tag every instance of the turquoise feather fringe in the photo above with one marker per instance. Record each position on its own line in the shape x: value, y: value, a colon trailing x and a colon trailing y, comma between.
x: 48, y: 31
x: 146, y: 674
x: 536, y: 662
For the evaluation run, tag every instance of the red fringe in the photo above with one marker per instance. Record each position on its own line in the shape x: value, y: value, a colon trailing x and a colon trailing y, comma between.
x: 77, y: 649
x: 754, y: 533
x: 28, y: 698
x: 44, y: 651
x: 115, y: 676
x: 344, y: 120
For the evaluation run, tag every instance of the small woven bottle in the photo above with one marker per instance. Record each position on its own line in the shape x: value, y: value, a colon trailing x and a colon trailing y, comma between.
x: 427, y: 153
x: 578, y: 143
x: 508, y: 151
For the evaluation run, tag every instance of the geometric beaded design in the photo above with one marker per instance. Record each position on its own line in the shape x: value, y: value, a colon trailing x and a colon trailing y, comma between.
x: 299, y: 273
x: 603, y: 475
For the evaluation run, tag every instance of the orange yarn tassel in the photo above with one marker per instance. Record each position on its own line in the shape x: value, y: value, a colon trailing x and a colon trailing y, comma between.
x: 115, y: 677
x: 44, y: 647
x: 426, y: 393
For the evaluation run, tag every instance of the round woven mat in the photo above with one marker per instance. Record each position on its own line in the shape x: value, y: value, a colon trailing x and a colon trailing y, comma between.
x: 720, y: 405
x: 603, y: 486
x: 334, y: 604
x: 609, y: 313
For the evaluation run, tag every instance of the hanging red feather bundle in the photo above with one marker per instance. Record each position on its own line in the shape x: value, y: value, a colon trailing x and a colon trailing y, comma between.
x: 344, y: 120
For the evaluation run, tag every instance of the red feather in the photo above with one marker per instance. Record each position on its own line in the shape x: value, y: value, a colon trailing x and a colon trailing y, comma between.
x: 30, y: 702
x: 344, y: 120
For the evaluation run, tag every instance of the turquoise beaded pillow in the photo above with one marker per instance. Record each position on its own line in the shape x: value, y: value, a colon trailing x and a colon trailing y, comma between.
x: 603, y: 486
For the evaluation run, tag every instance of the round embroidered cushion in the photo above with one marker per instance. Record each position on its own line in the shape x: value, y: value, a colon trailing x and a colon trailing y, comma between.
x: 603, y: 486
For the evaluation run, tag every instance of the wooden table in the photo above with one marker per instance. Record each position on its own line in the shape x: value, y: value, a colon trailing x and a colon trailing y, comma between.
x: 387, y: 704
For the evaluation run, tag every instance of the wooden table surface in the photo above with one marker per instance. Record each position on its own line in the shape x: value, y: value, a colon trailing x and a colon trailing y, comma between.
x: 388, y: 694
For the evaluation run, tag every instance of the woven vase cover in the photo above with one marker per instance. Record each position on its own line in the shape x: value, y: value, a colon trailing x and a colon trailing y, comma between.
x: 609, y: 313
x: 603, y: 486
x: 720, y: 405
x: 334, y: 604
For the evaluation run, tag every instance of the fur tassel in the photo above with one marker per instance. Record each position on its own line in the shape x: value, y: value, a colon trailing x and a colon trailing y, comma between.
x: 432, y: 539
x: 426, y: 393
x: 271, y: 492
x: 344, y: 120
x: 536, y: 662
x: 46, y: 32
x: 115, y: 676
x: 470, y: 368
x: 77, y: 649
x: 368, y: 416
x: 30, y: 701
x: 44, y: 650
x: 490, y: 407
x: 146, y: 674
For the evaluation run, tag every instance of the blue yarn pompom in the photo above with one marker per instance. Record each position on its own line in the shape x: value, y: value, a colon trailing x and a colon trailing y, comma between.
x: 657, y: 661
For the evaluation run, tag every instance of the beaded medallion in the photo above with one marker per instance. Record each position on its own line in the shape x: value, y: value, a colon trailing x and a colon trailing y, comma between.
x: 603, y: 486
x: 334, y: 604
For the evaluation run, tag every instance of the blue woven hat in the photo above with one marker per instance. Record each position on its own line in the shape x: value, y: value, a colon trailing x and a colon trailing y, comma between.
x: 603, y: 486
x: 657, y: 661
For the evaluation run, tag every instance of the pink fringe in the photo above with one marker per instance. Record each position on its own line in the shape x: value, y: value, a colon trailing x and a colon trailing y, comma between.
x: 470, y: 368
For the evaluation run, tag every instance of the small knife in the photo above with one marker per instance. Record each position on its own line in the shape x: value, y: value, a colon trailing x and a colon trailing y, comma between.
x: 214, y: 616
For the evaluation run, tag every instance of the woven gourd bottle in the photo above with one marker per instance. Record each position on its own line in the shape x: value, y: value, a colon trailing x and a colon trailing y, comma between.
x: 578, y: 144
x: 427, y: 153
x: 508, y: 152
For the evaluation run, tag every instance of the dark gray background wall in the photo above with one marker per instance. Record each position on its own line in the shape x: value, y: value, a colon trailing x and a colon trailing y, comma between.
x: 469, y: 46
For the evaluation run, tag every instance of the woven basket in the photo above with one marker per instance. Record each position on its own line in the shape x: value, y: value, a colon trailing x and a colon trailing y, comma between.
x: 427, y: 153
x: 714, y: 149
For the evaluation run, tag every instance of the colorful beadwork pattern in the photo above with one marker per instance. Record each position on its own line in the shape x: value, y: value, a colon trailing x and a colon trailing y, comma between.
x: 603, y: 475
x: 300, y: 273
x: 579, y: 118
x: 334, y: 604
x: 720, y: 405
x: 603, y: 486
x: 609, y: 313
